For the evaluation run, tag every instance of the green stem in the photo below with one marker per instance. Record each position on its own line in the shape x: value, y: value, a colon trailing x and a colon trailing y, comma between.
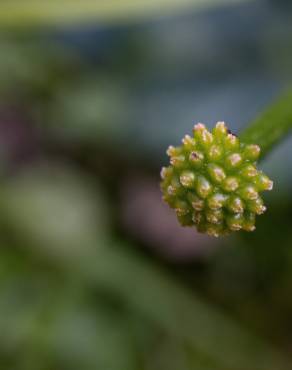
x: 271, y: 126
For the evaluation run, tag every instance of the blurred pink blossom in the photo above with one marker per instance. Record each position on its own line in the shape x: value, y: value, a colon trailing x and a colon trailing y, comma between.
x: 150, y: 220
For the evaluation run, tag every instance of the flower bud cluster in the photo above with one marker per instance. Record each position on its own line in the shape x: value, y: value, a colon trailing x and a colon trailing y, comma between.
x: 212, y: 181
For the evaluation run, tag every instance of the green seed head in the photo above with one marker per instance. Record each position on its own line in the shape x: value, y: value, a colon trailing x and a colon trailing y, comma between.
x: 212, y: 181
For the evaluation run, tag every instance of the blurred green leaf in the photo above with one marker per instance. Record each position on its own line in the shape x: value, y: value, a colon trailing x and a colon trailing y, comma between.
x: 92, y: 110
x: 51, y: 207
x: 27, y: 68
x: 58, y: 216
x: 47, y: 321
x: 82, y: 336
x: 36, y: 13
x: 218, y: 338
x: 55, y: 215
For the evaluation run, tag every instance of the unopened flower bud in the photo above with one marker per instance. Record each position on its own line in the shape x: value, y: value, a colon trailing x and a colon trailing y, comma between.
x: 212, y: 181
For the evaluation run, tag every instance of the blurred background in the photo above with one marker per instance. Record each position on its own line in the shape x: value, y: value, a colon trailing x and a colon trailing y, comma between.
x: 95, y: 271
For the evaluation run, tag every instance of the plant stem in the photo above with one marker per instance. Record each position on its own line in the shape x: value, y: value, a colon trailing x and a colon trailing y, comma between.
x: 271, y: 126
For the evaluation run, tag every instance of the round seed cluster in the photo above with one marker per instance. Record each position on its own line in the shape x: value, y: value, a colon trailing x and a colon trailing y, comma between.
x: 212, y: 181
